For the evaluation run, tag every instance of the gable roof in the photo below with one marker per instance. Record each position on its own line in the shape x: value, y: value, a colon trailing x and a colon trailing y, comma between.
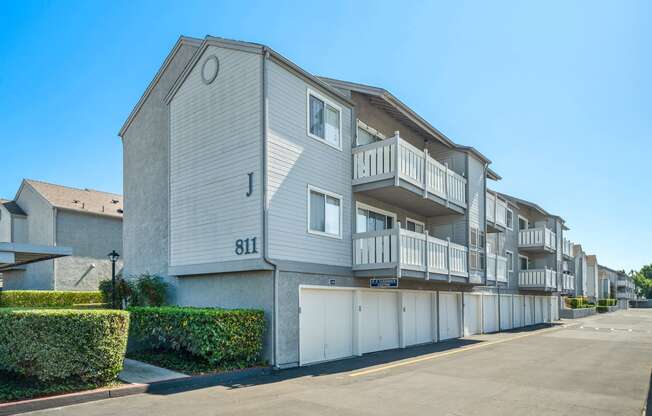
x: 80, y: 200
x: 183, y: 40
x: 253, y: 48
x: 534, y: 207
x: 12, y: 207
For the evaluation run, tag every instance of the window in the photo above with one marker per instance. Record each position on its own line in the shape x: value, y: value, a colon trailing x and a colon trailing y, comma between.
x: 522, y: 223
x: 523, y: 262
x: 414, y: 225
x: 367, y: 134
x: 373, y: 219
x: 324, y: 120
x: 510, y: 260
x: 510, y: 219
x: 324, y: 213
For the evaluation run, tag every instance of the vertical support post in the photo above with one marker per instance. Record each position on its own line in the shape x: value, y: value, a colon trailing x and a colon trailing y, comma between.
x: 397, y: 158
x: 425, y: 172
x: 398, y: 249
x: 446, y: 182
x: 401, y: 320
x: 357, y: 325
x: 427, y: 259
x: 448, y: 257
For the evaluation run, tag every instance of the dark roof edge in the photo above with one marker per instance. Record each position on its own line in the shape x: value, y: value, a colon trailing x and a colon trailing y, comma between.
x: 533, y: 206
x: 183, y: 40
x: 13, y: 208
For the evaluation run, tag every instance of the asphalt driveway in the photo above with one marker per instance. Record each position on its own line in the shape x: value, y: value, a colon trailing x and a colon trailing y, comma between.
x: 599, y: 365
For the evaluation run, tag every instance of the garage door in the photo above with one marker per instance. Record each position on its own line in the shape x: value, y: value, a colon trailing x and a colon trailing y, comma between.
x: 538, y: 310
x: 472, y: 314
x: 528, y: 310
x: 518, y: 311
x: 378, y: 320
x: 490, y: 313
x: 554, y: 308
x: 417, y: 315
x: 546, y: 309
x: 325, y: 325
x: 505, y: 312
x: 449, y: 315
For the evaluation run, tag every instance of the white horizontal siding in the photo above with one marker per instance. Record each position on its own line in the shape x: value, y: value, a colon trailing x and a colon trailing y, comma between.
x: 295, y: 161
x: 215, y: 141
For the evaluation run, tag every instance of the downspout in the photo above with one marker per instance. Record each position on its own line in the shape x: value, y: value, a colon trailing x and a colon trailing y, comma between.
x: 265, y: 207
x: 54, y: 243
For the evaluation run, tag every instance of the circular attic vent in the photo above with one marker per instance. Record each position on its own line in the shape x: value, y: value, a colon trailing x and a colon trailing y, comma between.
x: 209, y: 69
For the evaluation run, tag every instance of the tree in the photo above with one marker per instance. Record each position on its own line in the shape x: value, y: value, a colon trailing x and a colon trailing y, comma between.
x: 643, y: 281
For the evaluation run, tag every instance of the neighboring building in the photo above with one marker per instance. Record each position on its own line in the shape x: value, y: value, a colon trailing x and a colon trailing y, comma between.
x: 592, y: 278
x: 580, y: 266
x: 251, y: 183
x: 607, y: 282
x: 87, y: 223
x: 625, y: 289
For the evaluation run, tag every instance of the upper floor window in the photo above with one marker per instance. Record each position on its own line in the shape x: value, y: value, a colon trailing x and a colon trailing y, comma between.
x: 324, y: 213
x: 367, y: 134
x: 510, y: 219
x: 522, y: 223
x: 324, y: 120
x: 414, y: 225
x: 373, y: 219
x: 510, y: 260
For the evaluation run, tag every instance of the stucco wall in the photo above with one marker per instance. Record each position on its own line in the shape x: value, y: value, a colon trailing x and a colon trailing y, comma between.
x: 91, y: 238
x: 145, y: 184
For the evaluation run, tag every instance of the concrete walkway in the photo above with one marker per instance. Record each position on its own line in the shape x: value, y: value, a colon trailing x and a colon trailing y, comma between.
x: 137, y: 372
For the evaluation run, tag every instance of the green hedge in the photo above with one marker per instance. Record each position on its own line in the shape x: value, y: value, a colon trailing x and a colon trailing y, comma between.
x: 58, y: 344
x: 46, y: 298
x: 579, y: 303
x: 602, y: 309
x: 220, y: 336
x: 607, y: 302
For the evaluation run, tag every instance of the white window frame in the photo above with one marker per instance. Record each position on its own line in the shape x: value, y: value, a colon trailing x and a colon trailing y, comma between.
x: 368, y: 207
x: 510, y: 267
x: 326, y: 193
x: 527, y: 222
x: 510, y: 226
x: 330, y: 102
x: 364, y: 126
x: 421, y: 223
x: 520, y: 256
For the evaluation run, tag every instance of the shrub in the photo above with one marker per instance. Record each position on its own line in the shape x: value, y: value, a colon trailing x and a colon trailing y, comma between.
x: 602, y: 309
x: 220, y: 336
x: 579, y: 303
x: 142, y: 290
x: 46, y: 298
x: 607, y: 302
x: 122, y: 294
x: 60, y: 344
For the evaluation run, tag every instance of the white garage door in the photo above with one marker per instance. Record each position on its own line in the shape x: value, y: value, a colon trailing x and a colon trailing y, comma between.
x: 472, y: 314
x: 417, y: 317
x: 325, y: 325
x: 528, y: 310
x: 449, y: 315
x: 546, y: 309
x: 505, y: 312
x: 378, y: 321
x: 538, y: 310
x: 554, y: 308
x: 490, y: 313
x: 518, y: 311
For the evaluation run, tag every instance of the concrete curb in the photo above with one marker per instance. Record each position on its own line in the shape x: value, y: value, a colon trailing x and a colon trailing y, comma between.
x: 160, y: 387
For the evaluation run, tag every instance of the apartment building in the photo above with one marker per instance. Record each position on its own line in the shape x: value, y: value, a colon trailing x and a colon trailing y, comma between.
x: 54, y: 237
x: 350, y: 220
x: 625, y: 289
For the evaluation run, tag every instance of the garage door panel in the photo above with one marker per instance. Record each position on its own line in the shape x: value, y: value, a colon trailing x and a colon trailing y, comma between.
x: 518, y: 311
x: 339, y: 325
x: 490, y: 313
x: 417, y: 317
x: 312, y: 336
x: 379, y: 321
x: 506, y: 309
x: 472, y: 314
x: 528, y: 310
x: 538, y: 310
x: 449, y: 319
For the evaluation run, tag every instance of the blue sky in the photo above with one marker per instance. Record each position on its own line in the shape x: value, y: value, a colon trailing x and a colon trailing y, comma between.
x: 557, y: 94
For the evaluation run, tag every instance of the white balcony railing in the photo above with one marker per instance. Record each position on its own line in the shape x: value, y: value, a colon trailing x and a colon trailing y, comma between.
x: 537, y: 237
x: 397, y: 159
x: 418, y: 252
x: 568, y: 282
x: 496, y: 210
x: 538, y: 279
x: 496, y: 268
x: 567, y: 248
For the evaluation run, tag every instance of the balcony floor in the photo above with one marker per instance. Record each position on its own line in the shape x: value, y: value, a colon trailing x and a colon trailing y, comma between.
x: 408, y: 196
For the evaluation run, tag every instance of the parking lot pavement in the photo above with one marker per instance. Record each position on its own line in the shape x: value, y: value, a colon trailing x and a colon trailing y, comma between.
x: 599, y: 365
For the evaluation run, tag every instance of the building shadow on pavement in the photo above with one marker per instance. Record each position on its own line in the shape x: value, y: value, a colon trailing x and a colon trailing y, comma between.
x: 235, y: 380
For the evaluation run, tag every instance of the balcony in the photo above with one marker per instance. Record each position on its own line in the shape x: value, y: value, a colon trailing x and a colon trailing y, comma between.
x: 537, y: 239
x: 496, y: 268
x: 538, y: 279
x: 399, y: 252
x: 496, y: 213
x: 567, y: 282
x: 567, y: 248
x: 396, y: 172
